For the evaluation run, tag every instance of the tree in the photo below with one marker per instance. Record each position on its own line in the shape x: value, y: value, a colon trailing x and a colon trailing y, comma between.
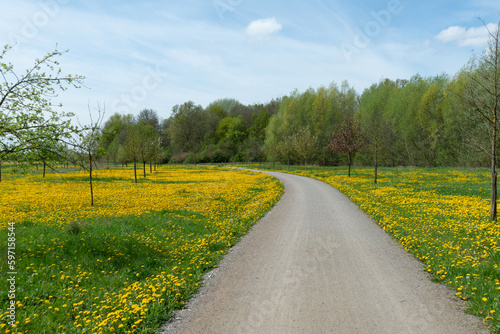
x: 321, y: 112
x: 482, y: 96
x: 402, y: 110
x: 27, y: 115
x: 187, y: 127
x: 226, y: 104
x: 348, y: 140
x: 286, y: 148
x: 259, y: 124
x: 149, y: 116
x: 465, y: 132
x: 132, y: 145
x: 149, y: 144
x: 113, y: 135
x: 304, y: 143
x: 86, y: 146
x: 90, y: 145
x: 236, y: 131
x: 373, y: 120
x: 273, y: 135
x: 213, y: 115
x: 430, y: 122
x: 45, y: 152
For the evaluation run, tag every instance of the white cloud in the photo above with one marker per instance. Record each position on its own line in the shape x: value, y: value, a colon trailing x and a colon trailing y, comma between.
x: 466, y: 37
x: 262, y: 28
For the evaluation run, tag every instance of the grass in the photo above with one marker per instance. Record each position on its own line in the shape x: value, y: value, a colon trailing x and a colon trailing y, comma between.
x: 125, y: 265
x: 441, y: 216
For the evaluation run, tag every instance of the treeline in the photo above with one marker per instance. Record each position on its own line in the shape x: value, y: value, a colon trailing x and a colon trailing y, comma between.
x: 422, y: 121
x: 419, y: 122
x: 224, y: 131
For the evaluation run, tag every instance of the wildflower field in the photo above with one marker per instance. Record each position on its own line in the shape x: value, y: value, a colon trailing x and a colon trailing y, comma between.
x: 124, y: 265
x: 441, y: 216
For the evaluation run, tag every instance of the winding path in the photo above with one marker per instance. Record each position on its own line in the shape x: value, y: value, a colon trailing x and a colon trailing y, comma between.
x: 317, y: 264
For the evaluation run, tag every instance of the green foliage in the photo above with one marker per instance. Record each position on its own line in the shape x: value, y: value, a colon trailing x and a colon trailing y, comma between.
x: 187, y: 127
x: 304, y: 143
x: 149, y: 117
x: 259, y: 123
x: 29, y: 122
x: 225, y: 104
x: 142, y: 144
x: 236, y: 131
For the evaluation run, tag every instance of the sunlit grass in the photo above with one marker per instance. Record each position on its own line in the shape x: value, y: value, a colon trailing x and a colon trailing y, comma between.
x: 126, y: 264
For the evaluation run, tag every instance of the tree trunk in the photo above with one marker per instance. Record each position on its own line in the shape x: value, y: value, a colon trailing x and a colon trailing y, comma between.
x: 493, y: 201
x: 90, y: 180
x: 150, y: 167
x: 288, y: 163
x: 135, y: 171
x: 349, y: 160
x: 144, y: 168
x: 44, y: 165
x: 324, y: 161
x: 376, y: 165
x: 305, y: 163
x: 0, y: 171
x: 493, y: 208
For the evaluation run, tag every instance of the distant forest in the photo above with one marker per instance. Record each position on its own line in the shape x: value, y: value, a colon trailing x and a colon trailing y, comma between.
x: 423, y: 121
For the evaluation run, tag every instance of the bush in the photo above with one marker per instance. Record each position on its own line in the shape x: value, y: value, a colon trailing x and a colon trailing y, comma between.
x: 179, y: 157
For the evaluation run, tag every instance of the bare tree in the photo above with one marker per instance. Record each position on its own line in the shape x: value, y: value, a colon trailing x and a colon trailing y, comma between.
x: 481, y: 95
x: 88, y: 145
x: 84, y: 147
x: 132, y: 146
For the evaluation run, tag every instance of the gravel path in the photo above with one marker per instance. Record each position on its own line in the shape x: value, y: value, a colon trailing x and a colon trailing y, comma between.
x: 317, y: 264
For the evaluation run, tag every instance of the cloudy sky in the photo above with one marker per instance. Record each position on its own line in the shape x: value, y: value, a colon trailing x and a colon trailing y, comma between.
x: 156, y: 54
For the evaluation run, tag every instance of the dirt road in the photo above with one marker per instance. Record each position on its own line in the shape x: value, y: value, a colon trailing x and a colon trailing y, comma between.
x: 317, y: 264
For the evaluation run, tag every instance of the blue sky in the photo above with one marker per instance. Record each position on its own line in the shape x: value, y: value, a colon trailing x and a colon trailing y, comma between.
x: 156, y: 54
